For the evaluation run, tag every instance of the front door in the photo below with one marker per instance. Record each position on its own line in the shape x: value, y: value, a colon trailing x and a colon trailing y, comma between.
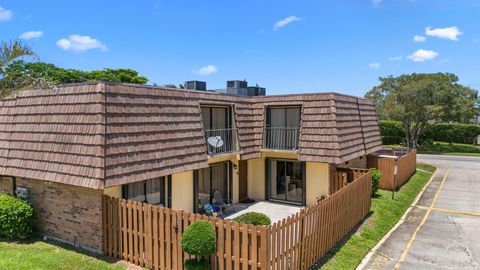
x: 242, y: 180
x: 286, y: 180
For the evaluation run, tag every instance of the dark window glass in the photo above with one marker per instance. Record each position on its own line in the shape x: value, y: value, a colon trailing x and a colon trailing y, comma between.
x: 149, y: 191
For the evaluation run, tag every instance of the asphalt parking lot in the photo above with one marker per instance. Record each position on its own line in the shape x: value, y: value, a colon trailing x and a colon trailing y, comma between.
x: 442, y: 230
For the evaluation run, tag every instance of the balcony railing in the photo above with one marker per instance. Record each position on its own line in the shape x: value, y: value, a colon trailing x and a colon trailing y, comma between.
x: 281, y: 138
x: 221, y: 141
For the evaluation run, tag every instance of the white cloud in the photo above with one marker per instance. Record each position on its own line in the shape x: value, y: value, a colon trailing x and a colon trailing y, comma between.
x: 207, y: 70
x: 422, y: 55
x: 31, y: 35
x: 376, y: 2
x: 5, y: 14
x: 78, y: 43
x: 375, y: 65
x: 395, y: 58
x: 285, y: 21
x: 419, y: 39
x: 451, y: 33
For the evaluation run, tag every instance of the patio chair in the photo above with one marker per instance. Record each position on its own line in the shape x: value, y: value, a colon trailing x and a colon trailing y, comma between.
x: 208, y: 208
x: 219, y: 201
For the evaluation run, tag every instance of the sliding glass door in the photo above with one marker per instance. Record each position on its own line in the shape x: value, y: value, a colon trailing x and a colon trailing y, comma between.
x: 213, y: 185
x: 282, y: 128
x: 286, y: 180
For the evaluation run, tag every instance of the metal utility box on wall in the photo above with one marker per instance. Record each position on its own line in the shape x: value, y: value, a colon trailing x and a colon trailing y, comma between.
x: 22, y: 193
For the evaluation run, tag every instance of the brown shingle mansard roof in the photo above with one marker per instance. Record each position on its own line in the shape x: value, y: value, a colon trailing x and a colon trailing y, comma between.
x: 101, y: 134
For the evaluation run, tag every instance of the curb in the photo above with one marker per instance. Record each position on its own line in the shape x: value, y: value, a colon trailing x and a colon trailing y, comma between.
x: 372, y: 251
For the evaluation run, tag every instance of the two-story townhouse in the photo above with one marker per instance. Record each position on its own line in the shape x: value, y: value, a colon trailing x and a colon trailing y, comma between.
x: 177, y: 148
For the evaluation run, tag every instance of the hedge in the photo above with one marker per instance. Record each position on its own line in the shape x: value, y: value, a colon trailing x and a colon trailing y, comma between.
x: 454, y: 133
x: 16, y: 217
x: 391, y: 131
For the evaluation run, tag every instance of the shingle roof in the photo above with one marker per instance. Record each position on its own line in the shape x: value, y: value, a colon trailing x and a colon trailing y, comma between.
x: 100, y: 135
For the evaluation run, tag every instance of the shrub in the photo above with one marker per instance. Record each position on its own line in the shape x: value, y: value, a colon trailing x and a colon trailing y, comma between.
x: 376, y: 175
x: 16, y: 217
x: 199, y: 239
x: 193, y: 264
x: 390, y: 128
x: 392, y: 140
x: 254, y: 218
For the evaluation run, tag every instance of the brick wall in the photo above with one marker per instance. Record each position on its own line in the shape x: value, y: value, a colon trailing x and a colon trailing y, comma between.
x: 69, y: 213
x: 6, y: 185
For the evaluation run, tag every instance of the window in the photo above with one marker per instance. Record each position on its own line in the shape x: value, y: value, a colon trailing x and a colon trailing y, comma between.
x: 216, y: 118
x: 149, y: 191
x: 283, y: 117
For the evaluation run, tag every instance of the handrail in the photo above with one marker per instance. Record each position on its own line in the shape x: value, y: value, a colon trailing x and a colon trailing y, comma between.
x: 281, y: 138
x: 221, y: 141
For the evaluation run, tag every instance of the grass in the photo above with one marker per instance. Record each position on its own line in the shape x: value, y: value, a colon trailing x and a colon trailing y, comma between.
x: 442, y: 148
x: 39, y: 254
x: 385, y: 213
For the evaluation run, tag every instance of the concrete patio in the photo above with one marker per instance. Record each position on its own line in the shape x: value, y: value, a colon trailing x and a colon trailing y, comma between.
x: 275, y: 211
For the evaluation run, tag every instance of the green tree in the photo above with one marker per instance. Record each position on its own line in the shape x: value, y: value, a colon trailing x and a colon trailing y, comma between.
x: 60, y: 75
x: 11, y: 83
x: 419, y: 100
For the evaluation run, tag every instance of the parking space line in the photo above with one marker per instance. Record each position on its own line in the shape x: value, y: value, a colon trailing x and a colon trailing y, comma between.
x: 429, y: 210
x: 449, y: 211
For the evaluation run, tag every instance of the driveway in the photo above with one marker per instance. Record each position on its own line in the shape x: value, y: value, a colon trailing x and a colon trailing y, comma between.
x: 442, y: 230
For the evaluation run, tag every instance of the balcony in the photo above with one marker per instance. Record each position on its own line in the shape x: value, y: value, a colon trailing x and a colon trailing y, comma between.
x: 221, y: 141
x: 281, y: 138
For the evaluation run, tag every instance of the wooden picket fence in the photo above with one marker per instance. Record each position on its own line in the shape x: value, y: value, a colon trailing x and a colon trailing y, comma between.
x: 405, y: 160
x: 150, y: 236
x: 302, y: 239
x: 337, y: 181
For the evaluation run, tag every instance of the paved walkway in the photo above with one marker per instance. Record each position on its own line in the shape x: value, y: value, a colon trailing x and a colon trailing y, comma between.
x: 275, y: 211
x: 442, y: 230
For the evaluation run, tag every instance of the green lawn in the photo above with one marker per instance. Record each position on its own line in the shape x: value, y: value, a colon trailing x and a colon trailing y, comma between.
x: 39, y: 254
x: 442, y: 148
x: 385, y: 214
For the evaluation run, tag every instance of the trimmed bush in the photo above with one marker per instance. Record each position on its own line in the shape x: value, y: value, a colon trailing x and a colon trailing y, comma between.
x: 376, y: 175
x: 16, y: 218
x: 193, y: 264
x: 254, y: 218
x: 199, y: 239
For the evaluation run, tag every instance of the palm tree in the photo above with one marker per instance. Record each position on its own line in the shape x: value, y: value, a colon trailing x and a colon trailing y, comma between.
x: 9, y: 52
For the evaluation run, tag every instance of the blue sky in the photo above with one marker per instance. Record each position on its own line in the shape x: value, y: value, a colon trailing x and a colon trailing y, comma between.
x: 286, y: 46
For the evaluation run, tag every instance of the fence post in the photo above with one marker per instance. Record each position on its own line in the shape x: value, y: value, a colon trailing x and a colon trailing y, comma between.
x: 263, y: 248
x: 104, y: 224
x: 302, y: 240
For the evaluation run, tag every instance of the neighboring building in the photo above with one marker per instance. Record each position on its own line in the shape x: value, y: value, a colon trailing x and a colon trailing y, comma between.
x: 196, y: 85
x: 66, y: 147
x: 476, y: 120
x: 241, y: 88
